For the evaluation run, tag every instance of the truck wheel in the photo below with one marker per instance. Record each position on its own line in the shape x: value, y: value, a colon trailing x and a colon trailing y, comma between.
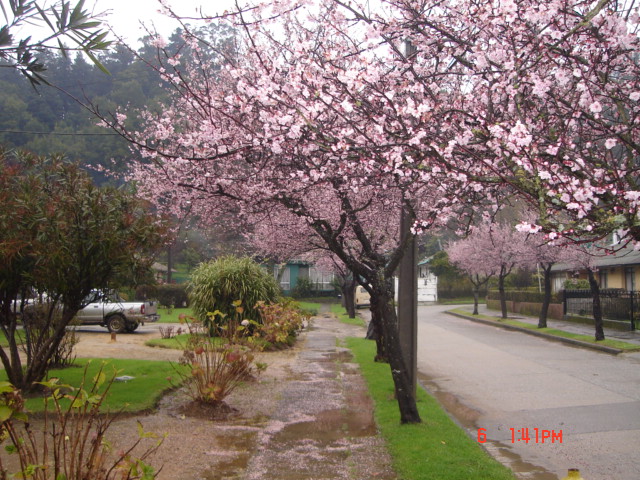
x: 131, y: 326
x: 116, y: 323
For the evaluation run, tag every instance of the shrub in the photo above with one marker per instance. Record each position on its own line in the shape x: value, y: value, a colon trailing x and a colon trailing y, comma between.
x: 577, y: 284
x: 280, y: 323
x: 214, y: 371
x: 146, y: 292
x: 303, y: 289
x: 73, y: 445
x: 172, y: 295
x: 530, y: 296
x: 218, y: 285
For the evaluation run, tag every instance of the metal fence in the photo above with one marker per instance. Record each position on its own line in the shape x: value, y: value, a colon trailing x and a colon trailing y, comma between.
x: 616, y: 304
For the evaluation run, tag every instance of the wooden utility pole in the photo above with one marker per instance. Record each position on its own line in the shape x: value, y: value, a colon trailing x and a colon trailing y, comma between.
x: 408, y: 302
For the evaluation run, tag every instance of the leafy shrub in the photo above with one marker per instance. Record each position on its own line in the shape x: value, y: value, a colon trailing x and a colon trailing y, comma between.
x: 280, y: 323
x: 146, y: 292
x: 530, y: 296
x: 172, y: 295
x: 214, y: 371
x: 216, y: 285
x: 577, y: 284
x: 73, y: 445
x: 303, y: 289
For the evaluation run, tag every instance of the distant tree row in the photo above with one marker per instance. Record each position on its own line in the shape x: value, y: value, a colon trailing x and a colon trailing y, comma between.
x: 50, y: 119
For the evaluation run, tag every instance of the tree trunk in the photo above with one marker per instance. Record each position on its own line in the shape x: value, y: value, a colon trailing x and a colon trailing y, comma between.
x: 476, y: 296
x: 348, y: 289
x: 402, y: 383
x: 546, y: 299
x: 503, y: 297
x: 597, y: 308
x: 374, y: 331
x: 169, y: 264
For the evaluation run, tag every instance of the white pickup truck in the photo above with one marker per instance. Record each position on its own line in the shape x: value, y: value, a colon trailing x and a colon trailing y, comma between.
x: 111, y: 311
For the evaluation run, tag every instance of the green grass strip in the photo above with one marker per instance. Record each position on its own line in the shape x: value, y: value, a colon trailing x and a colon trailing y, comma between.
x: 177, y: 342
x: 172, y: 315
x: 142, y: 393
x: 340, y: 312
x: 437, y: 448
x: 607, y: 342
x: 19, y: 336
x: 311, y: 307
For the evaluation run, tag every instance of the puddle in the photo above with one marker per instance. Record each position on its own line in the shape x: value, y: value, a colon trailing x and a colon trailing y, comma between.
x: 468, y: 417
x: 328, y: 427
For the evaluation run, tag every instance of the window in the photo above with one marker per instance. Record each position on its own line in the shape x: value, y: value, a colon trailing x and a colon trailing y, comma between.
x: 603, y: 279
x: 321, y: 280
x: 630, y: 279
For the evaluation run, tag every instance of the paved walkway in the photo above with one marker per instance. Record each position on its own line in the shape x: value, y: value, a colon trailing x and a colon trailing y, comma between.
x: 572, y: 327
x: 323, y: 425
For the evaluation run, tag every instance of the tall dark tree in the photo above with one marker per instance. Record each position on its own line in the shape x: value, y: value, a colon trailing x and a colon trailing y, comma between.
x: 62, y: 237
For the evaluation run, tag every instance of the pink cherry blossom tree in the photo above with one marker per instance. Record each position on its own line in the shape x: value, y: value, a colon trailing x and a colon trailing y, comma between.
x: 548, y: 104
x: 338, y: 115
x: 491, y: 249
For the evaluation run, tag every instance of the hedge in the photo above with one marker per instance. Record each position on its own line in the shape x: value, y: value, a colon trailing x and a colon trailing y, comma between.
x: 167, y: 295
x: 529, y: 296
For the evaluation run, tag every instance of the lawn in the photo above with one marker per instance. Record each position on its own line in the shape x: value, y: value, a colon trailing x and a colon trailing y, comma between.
x: 150, y: 381
x: 177, y: 342
x: 341, y: 313
x: 5, y: 343
x: 172, y: 315
x: 434, y: 449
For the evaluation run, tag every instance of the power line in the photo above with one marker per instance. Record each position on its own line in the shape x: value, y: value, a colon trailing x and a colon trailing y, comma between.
x: 59, y: 133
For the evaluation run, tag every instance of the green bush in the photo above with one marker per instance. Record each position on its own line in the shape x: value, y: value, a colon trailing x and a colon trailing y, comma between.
x: 529, y: 296
x: 303, y: 289
x: 146, y: 292
x: 216, y: 285
x: 577, y: 284
x: 174, y: 294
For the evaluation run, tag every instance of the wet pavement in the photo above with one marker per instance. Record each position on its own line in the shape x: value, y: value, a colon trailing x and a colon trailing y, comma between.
x: 308, y: 416
x: 323, y: 425
x: 512, y: 384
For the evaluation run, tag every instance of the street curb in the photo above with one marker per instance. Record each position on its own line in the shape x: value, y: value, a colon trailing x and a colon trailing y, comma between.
x: 570, y: 341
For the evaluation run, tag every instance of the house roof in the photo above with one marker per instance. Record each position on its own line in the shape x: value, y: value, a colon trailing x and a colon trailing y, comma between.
x: 621, y: 258
x: 425, y: 261
x: 159, y: 267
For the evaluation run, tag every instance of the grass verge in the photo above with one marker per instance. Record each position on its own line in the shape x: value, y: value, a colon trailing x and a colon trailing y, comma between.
x: 177, y: 342
x: 619, y: 344
x: 150, y: 382
x: 435, y: 448
x: 339, y: 311
x: 312, y: 307
x: 19, y: 336
x: 172, y: 315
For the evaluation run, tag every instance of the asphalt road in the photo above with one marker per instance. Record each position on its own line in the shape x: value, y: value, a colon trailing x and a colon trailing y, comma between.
x: 585, y: 403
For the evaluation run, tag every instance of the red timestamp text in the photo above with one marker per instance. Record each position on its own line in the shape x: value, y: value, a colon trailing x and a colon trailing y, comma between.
x: 526, y: 435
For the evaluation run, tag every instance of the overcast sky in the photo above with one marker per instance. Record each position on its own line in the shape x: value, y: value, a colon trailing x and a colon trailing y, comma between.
x: 125, y: 15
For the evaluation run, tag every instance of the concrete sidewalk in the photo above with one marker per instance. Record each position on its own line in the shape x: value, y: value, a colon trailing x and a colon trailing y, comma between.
x: 322, y: 427
x: 572, y: 327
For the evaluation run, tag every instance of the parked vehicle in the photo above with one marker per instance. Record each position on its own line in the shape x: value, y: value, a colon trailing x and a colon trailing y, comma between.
x: 362, y: 298
x: 111, y: 311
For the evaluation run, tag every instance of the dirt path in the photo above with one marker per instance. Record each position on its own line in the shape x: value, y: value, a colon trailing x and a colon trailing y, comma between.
x: 307, y: 417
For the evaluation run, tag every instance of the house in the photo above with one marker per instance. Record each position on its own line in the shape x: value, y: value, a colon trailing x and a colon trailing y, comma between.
x: 160, y: 272
x: 427, y: 283
x: 291, y: 274
x: 620, y: 270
